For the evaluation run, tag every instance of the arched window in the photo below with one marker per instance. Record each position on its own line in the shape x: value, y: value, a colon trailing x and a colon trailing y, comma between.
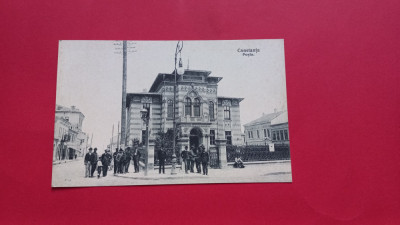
x: 170, y: 109
x: 211, y: 110
x: 197, y: 107
x: 188, y: 107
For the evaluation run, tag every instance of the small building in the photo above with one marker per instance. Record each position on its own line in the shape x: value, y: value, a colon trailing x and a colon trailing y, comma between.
x: 261, y: 131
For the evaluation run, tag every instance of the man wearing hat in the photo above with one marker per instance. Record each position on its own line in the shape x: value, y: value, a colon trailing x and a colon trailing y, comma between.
x: 106, y: 161
x: 89, y: 157
x: 185, y: 158
x: 94, y: 161
x: 136, y: 157
x: 115, y: 160
x: 118, y: 161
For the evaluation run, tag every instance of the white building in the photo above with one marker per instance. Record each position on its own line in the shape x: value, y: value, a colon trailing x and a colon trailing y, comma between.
x: 69, y: 139
x: 266, y: 128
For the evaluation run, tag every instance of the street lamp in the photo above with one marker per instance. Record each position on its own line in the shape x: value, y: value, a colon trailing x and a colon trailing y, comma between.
x: 177, y: 71
x: 145, y: 115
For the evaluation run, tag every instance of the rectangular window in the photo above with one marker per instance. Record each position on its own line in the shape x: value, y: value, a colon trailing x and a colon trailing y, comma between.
x: 227, y: 112
x: 258, y: 134
x: 228, y: 137
x: 273, y: 135
x: 286, y: 135
x: 249, y: 134
x: 281, y: 132
x: 268, y: 133
x: 265, y: 133
x: 170, y: 109
x: 212, y: 137
x: 211, y: 110
x: 278, y: 137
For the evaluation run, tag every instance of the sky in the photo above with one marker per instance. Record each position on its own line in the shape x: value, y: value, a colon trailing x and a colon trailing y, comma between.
x: 90, y: 76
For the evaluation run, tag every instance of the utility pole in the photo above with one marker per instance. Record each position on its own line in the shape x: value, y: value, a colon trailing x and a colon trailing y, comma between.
x: 112, y: 139
x: 123, y: 108
x: 118, y: 136
x: 91, y: 141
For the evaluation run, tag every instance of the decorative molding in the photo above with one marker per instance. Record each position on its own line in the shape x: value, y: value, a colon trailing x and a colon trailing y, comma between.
x: 226, y: 102
x: 146, y: 99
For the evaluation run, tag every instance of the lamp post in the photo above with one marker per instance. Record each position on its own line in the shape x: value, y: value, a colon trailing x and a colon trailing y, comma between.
x: 180, y: 71
x: 146, y: 117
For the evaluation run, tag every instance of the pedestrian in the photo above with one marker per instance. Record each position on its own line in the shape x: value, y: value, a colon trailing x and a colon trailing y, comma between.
x: 123, y: 162
x: 191, y: 159
x: 128, y: 158
x: 94, y: 161
x: 185, y: 158
x: 198, y: 158
x: 115, y: 161
x: 119, y: 161
x: 106, y: 161
x: 99, y: 168
x: 161, y: 160
x: 205, y: 157
x: 238, y: 163
x: 88, y: 163
x: 136, y: 157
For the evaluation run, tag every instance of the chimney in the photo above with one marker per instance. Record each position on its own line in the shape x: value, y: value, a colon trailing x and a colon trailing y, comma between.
x: 73, y: 107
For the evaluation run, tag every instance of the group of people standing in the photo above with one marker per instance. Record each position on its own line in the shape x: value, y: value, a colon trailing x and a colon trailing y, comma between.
x: 92, y: 162
x: 195, y: 157
x: 122, y: 160
x: 103, y: 163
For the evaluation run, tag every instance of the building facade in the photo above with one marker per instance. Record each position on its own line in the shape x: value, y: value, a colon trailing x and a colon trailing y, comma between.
x: 265, y: 129
x: 202, y: 117
x: 280, y: 129
x: 69, y: 139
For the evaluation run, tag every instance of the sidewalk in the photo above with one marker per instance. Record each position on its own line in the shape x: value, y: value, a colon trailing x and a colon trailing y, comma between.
x: 66, y: 161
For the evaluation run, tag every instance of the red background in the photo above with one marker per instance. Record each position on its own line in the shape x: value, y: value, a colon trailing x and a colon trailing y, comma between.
x: 342, y: 68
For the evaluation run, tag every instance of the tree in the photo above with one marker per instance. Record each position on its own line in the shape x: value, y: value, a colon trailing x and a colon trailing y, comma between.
x: 164, y: 140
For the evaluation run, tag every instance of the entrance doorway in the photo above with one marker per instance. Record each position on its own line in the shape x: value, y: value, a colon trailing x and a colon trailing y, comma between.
x: 196, y: 138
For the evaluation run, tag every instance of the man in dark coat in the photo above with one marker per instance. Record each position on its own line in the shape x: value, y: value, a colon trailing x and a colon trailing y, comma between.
x: 118, y: 160
x: 185, y: 158
x: 136, y: 157
x: 88, y: 163
x: 192, y: 156
x: 106, y: 161
x: 115, y: 161
x: 128, y: 158
x: 205, y: 157
x: 198, y: 159
x: 162, y: 155
x: 94, y: 161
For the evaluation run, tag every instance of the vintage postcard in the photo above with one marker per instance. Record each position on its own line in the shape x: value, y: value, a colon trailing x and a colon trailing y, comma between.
x: 170, y: 112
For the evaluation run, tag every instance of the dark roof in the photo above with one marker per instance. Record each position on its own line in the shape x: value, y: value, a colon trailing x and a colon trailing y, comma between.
x: 264, y: 118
